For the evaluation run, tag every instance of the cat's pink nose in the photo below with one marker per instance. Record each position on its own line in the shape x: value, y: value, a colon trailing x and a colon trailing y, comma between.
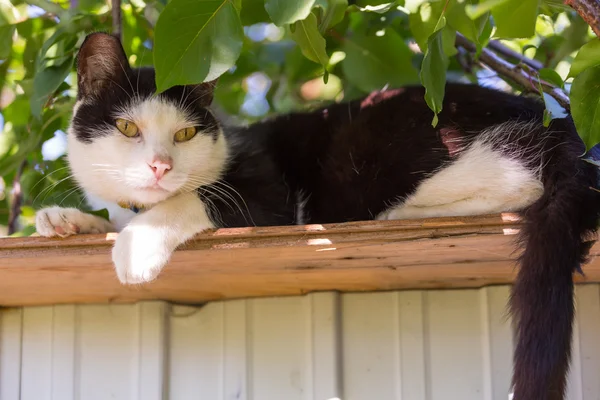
x: 160, y: 166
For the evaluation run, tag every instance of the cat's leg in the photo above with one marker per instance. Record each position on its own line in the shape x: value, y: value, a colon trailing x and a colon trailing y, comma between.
x: 63, y: 222
x: 145, y: 245
x: 481, y: 181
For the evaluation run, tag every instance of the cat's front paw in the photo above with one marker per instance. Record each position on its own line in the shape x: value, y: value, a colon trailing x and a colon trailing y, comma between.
x: 139, y: 254
x: 63, y: 222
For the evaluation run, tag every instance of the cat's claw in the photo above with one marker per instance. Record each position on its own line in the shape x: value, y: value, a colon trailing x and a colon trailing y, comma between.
x: 139, y: 254
x: 63, y: 222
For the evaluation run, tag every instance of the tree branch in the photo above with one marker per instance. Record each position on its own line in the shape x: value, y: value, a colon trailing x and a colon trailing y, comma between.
x: 116, y: 18
x: 499, y: 48
x: 530, y: 82
x: 16, y: 200
x: 589, y: 10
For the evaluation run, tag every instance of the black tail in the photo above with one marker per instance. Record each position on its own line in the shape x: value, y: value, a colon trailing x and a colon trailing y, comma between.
x: 556, y: 238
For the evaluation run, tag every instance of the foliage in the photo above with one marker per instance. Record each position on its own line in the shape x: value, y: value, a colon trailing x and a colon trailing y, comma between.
x: 271, y: 56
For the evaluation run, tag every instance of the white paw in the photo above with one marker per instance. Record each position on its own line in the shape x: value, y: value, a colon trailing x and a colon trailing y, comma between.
x: 63, y: 222
x: 139, y: 254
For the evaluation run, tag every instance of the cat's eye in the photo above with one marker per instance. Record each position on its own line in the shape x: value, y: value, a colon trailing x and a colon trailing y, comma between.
x: 127, y: 128
x: 185, y: 134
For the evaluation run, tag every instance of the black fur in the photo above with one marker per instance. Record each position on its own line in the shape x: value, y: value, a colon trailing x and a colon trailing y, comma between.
x: 351, y: 161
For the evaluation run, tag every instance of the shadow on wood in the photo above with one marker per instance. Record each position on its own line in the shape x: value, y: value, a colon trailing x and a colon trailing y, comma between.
x: 436, y: 253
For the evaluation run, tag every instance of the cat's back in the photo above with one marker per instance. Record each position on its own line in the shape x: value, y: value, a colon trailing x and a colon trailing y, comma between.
x: 378, y: 149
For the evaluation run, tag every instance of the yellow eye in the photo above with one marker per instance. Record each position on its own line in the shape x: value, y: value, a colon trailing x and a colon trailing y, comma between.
x: 185, y: 134
x: 127, y: 128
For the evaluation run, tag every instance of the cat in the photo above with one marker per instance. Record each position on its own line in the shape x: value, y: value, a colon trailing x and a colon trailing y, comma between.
x: 166, y: 169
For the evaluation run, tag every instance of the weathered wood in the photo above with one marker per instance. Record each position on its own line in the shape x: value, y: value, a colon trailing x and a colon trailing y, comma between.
x: 274, y: 261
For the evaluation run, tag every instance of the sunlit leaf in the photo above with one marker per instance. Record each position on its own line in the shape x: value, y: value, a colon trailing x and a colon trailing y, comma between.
x: 588, y: 56
x: 381, y: 8
x: 515, y: 18
x: 423, y: 22
x: 8, y: 13
x: 477, y: 10
x: 288, y: 11
x: 194, y: 50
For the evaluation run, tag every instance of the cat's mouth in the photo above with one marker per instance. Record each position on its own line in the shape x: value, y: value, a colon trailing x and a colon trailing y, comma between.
x: 154, y: 188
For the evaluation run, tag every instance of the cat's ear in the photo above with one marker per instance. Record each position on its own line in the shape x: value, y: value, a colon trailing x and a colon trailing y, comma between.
x: 203, y: 93
x: 101, y: 62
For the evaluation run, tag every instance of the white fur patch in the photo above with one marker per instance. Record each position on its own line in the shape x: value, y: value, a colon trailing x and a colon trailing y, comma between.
x: 116, y: 168
x: 481, y: 181
x: 145, y: 246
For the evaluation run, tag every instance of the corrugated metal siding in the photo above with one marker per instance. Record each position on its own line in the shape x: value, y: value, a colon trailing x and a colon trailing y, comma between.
x: 409, y: 345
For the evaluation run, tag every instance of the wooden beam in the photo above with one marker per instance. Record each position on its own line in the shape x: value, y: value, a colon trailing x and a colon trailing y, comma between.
x: 274, y: 261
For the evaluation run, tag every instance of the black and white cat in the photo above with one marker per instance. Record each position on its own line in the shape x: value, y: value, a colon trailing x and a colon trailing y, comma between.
x: 377, y: 157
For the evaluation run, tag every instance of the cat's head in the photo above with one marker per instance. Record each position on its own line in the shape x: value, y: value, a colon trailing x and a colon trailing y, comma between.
x: 128, y: 144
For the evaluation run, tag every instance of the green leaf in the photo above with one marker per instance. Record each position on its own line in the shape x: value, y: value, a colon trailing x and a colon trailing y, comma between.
x: 288, y: 11
x: 298, y: 68
x: 6, y: 40
x: 457, y: 18
x: 334, y: 14
x: 46, y: 82
x: 30, y: 53
x: 476, y: 11
x: 433, y: 71
x: 572, y: 38
x: 18, y: 111
x: 370, y: 65
x: 484, y: 37
x: 585, y: 105
x: 100, y: 213
x: 423, y: 22
x: 135, y: 30
x: 199, y: 49
x: 448, y: 40
x: 588, y: 56
x: 551, y: 76
x: 312, y: 44
x: 515, y: 18
x: 253, y: 12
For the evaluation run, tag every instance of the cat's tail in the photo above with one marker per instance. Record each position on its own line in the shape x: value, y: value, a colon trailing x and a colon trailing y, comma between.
x: 556, y: 236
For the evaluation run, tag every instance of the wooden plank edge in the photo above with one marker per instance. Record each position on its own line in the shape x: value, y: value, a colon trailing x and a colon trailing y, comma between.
x: 436, y: 254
